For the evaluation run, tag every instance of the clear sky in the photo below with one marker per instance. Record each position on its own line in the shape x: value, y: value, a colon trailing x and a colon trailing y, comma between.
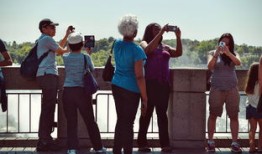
x: 197, y: 19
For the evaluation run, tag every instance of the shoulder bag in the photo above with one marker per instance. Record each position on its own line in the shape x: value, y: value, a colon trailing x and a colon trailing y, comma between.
x: 90, y: 83
x: 109, y: 69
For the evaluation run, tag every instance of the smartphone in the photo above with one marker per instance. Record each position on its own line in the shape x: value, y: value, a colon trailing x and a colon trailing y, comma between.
x: 222, y: 44
x: 89, y: 41
x: 171, y: 28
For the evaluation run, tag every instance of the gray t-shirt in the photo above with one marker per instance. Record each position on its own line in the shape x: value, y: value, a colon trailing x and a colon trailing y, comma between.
x: 48, y: 64
x: 74, y: 68
x: 223, y: 77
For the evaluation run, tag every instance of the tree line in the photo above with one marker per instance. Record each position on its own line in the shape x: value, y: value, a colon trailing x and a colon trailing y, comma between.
x: 194, y: 52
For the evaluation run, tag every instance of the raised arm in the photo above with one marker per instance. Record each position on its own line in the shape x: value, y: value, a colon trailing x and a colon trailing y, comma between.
x: 7, y: 59
x: 62, y: 49
x: 176, y: 52
x: 151, y: 46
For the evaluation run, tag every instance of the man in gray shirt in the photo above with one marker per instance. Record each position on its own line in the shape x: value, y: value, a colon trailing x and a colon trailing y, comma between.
x: 47, y: 78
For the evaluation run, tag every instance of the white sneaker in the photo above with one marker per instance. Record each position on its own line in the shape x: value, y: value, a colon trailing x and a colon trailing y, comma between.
x: 71, y: 151
x: 235, y: 147
x: 103, y: 150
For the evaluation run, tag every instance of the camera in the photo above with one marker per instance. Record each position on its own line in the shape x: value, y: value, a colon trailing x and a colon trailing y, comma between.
x: 171, y: 28
x: 222, y: 44
x: 71, y: 28
x: 89, y: 41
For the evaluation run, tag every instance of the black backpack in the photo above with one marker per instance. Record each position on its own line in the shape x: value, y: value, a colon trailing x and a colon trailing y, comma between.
x: 29, y: 65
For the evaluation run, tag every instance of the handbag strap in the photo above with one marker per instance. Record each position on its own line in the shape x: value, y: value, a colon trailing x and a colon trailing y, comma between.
x: 85, y: 64
x: 111, y: 51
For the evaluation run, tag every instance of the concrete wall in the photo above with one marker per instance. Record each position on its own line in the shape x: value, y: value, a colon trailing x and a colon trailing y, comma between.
x: 187, y: 107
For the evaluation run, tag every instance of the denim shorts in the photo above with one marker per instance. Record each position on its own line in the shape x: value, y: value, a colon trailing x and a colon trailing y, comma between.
x: 251, y: 112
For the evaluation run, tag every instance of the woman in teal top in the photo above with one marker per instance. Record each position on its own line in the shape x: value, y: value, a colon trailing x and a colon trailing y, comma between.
x: 126, y: 54
x: 128, y: 83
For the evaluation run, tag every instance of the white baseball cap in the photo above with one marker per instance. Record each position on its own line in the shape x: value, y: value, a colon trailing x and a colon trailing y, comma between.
x: 75, y: 38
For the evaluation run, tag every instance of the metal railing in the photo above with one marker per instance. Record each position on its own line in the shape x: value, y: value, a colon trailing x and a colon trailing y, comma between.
x: 105, y: 106
x: 24, y: 107
x: 21, y: 118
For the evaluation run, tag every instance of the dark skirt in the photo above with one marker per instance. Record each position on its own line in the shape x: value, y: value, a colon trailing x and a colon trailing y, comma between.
x: 251, y: 112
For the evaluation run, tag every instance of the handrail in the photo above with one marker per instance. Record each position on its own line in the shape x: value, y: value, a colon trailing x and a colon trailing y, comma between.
x: 187, y: 96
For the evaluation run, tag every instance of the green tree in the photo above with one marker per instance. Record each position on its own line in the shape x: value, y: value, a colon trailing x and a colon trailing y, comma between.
x: 194, y: 52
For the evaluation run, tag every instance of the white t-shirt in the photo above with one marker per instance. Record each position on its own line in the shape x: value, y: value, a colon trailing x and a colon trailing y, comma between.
x: 253, y: 99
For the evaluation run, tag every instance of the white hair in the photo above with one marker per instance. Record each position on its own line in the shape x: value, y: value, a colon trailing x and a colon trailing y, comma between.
x: 127, y: 25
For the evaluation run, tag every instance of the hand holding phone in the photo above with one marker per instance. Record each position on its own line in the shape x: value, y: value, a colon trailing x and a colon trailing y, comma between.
x: 171, y: 28
x: 71, y: 28
x: 222, y: 44
x: 89, y: 41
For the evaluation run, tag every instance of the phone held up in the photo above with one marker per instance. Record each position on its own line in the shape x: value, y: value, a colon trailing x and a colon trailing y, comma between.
x: 89, y: 41
x: 222, y: 44
x: 71, y: 28
x: 171, y: 28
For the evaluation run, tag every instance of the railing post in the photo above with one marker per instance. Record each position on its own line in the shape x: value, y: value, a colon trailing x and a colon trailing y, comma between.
x: 187, y: 108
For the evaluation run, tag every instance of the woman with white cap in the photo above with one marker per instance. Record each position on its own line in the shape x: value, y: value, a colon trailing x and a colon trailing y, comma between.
x: 74, y: 96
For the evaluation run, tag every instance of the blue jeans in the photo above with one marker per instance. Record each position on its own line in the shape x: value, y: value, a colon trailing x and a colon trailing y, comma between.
x: 75, y: 98
x: 49, y: 86
x: 158, y: 96
x: 126, y: 103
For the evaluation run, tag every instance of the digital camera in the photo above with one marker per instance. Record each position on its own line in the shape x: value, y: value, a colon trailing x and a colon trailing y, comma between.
x: 171, y: 28
x: 71, y: 28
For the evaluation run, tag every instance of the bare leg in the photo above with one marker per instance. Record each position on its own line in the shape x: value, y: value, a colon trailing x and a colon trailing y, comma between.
x: 234, y: 126
x: 252, y: 133
x: 211, y: 125
x: 260, y: 134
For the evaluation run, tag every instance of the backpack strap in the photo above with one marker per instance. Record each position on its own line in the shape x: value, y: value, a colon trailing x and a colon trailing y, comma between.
x: 43, y: 56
